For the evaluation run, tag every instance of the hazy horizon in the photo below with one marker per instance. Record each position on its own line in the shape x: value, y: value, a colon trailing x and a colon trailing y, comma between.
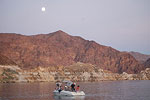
x: 121, y: 24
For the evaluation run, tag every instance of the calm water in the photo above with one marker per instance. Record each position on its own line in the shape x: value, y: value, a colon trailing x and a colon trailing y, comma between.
x: 109, y: 90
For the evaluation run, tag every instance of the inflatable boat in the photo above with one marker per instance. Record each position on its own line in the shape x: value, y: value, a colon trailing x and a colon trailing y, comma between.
x: 68, y: 93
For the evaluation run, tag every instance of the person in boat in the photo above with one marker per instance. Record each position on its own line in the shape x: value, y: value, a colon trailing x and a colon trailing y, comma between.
x: 58, y: 86
x: 67, y: 88
x: 60, y: 89
x: 73, y: 87
x: 78, y: 88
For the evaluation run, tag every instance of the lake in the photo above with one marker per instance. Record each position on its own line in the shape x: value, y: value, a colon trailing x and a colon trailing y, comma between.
x: 105, y: 90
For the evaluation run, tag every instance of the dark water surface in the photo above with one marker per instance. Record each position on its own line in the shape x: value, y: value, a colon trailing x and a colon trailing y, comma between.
x: 107, y: 90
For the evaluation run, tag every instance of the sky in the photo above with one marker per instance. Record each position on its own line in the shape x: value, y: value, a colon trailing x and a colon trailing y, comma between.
x: 121, y: 24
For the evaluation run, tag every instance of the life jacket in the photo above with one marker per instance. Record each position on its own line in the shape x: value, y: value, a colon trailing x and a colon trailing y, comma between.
x: 78, y: 88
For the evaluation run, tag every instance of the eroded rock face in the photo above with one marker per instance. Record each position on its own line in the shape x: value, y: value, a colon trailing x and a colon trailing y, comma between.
x: 8, y: 70
x: 61, y: 49
x: 9, y: 73
x: 76, y: 72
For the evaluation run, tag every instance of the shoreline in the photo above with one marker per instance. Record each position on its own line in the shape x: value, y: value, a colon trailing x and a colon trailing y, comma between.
x: 39, y: 74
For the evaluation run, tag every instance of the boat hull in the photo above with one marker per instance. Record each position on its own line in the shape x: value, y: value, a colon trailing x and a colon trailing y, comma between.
x: 68, y: 93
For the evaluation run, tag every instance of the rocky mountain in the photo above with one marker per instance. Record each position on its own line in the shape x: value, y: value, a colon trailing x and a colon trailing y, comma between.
x: 60, y: 49
x: 139, y: 56
x: 147, y: 63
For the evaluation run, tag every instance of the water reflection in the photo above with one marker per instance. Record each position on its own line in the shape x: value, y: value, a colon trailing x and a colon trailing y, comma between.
x: 69, y: 97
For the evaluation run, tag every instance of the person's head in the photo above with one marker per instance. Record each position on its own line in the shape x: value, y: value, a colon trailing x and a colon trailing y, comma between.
x: 78, y: 86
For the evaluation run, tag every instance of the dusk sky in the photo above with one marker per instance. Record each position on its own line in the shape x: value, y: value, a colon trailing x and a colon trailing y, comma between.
x: 121, y: 24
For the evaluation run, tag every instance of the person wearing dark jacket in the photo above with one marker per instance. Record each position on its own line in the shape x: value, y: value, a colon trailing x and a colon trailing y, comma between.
x: 73, y: 87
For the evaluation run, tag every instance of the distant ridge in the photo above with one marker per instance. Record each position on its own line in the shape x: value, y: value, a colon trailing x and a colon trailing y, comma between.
x: 61, y: 49
x: 147, y: 63
x: 139, y: 56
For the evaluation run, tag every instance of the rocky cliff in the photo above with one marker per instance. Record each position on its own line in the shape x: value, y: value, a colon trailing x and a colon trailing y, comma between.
x: 60, y: 49
x: 76, y: 72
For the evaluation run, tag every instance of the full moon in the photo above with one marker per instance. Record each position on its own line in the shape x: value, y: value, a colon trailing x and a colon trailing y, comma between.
x: 43, y: 9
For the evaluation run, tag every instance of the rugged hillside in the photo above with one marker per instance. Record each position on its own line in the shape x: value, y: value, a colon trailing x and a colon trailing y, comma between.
x: 147, y: 63
x: 61, y: 49
x: 6, y: 61
x: 140, y: 57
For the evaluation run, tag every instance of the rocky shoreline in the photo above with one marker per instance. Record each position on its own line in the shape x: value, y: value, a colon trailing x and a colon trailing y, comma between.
x: 76, y: 72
